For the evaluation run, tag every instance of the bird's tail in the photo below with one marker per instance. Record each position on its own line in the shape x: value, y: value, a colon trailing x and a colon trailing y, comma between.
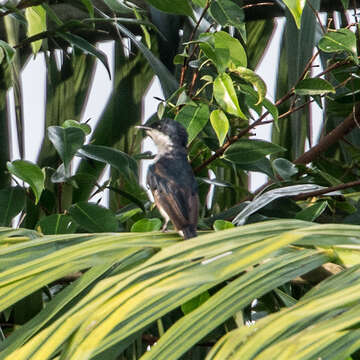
x: 189, y: 232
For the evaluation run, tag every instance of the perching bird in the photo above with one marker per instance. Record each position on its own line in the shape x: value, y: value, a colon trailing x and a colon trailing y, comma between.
x: 171, y: 179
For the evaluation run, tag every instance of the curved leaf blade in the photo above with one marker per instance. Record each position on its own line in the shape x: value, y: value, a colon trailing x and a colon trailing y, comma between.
x: 253, y: 78
x: 114, y: 157
x: 225, y: 95
x: 220, y: 124
x: 36, y: 19
x: 30, y: 173
x: 93, y: 217
x: 246, y: 151
x: 67, y: 141
x: 12, y: 201
x: 314, y: 86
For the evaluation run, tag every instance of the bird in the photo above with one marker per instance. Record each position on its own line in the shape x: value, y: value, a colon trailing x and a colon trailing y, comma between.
x: 171, y: 178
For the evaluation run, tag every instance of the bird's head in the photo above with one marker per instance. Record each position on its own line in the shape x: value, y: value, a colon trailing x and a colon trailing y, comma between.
x: 166, y: 134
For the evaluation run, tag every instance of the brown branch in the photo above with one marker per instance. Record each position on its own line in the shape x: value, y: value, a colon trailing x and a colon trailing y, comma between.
x: 327, y: 190
x: 219, y: 152
x: 186, y: 61
x: 334, y: 136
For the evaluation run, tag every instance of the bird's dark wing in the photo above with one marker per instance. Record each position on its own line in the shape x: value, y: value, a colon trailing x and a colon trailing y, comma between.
x: 176, y: 195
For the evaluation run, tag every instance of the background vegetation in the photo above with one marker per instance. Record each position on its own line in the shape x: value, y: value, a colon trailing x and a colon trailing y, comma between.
x: 273, y: 274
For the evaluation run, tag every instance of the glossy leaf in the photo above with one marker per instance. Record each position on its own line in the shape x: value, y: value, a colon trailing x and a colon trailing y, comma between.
x: 254, y: 79
x: 181, y: 7
x: 225, y: 42
x: 93, y: 217
x: 118, y: 6
x: 225, y: 95
x: 193, y: 118
x: 168, y: 82
x: 194, y: 303
x: 30, y: 173
x: 89, y: 7
x: 247, y: 151
x: 201, y: 3
x: 36, y: 20
x: 144, y: 225
x: 312, y: 212
x: 85, y: 46
x: 73, y: 123
x: 284, y: 168
x: 222, y: 225
x: 220, y: 124
x: 226, y: 12
x: 56, y: 224
x: 67, y: 141
x: 12, y: 201
x: 314, y: 86
x: 264, y: 199
x: 7, y: 52
x: 273, y: 110
x: 339, y: 40
x: 115, y: 158
x: 296, y: 8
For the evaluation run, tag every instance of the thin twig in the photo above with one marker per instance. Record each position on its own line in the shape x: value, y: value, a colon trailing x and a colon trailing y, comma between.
x: 317, y: 16
x: 186, y: 60
x: 327, y: 190
x: 258, y: 4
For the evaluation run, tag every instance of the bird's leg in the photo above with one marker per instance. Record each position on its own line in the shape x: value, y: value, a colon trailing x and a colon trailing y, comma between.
x: 164, y: 227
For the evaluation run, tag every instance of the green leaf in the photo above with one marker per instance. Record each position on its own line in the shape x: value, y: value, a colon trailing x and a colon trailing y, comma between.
x: 73, y: 123
x: 247, y: 151
x: 93, y: 217
x: 12, y: 201
x: 339, y: 40
x: 262, y: 200
x: 285, y: 168
x: 224, y: 41
x: 311, y: 213
x: 123, y: 216
x: 66, y: 142
x: 7, y: 50
x: 194, y: 303
x: 168, y: 82
x: 273, y: 110
x: 296, y: 8
x: 222, y: 225
x: 314, y: 86
x: 89, y: 7
x: 56, y: 224
x: 220, y: 124
x: 345, y: 4
x: 201, y: 3
x: 226, y: 12
x: 193, y: 118
x: 119, y: 160
x: 118, y: 6
x: 145, y: 225
x: 254, y: 79
x: 225, y: 95
x: 30, y: 173
x: 36, y: 19
x: 85, y: 46
x: 181, y: 7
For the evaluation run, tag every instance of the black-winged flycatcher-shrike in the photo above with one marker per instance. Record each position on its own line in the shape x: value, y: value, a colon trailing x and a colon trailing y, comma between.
x: 171, y: 179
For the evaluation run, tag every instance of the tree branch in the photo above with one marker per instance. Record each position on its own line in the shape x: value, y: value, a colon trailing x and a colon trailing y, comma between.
x: 334, y: 136
x: 327, y: 190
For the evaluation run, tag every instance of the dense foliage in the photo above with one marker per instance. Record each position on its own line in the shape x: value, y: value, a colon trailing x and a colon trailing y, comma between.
x: 79, y: 280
